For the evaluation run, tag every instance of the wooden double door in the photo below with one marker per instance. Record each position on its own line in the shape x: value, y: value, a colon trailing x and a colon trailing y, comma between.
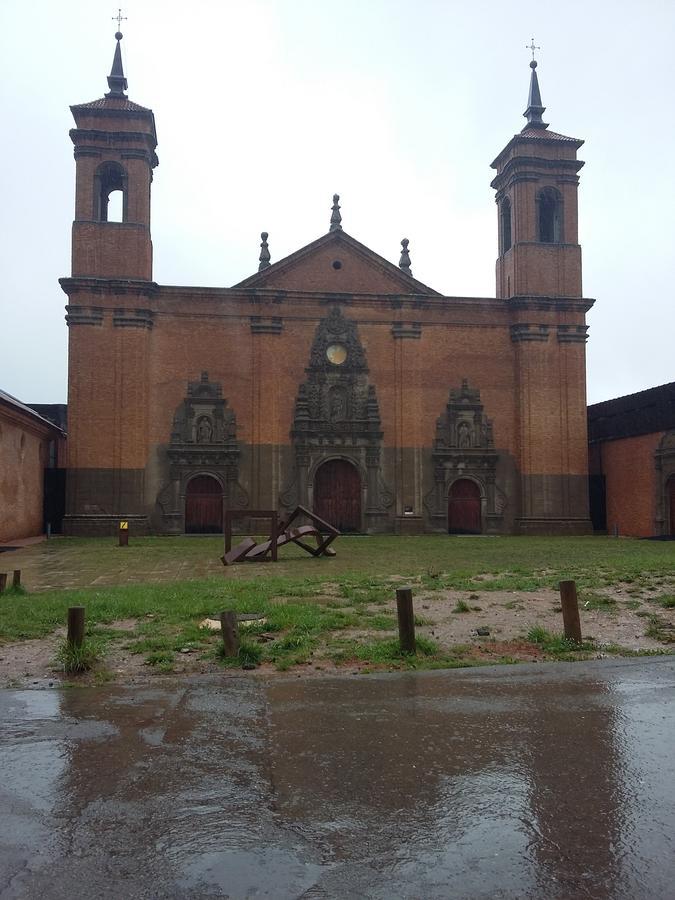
x: 204, y: 506
x: 337, y: 494
x: 464, y: 507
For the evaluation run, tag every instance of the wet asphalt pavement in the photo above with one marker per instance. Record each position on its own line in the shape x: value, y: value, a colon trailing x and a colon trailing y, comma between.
x: 546, y: 781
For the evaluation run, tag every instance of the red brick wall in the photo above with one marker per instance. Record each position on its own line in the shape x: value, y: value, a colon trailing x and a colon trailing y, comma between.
x: 630, y: 481
x: 24, y: 452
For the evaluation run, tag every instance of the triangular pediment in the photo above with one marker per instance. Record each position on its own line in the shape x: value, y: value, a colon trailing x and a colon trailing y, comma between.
x: 336, y: 263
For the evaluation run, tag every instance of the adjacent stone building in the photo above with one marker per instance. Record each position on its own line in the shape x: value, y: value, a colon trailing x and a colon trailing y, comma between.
x: 333, y: 377
x: 632, y: 463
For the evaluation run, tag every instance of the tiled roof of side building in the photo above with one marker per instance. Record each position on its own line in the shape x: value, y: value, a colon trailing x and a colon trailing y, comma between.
x: 9, y: 400
x: 645, y: 412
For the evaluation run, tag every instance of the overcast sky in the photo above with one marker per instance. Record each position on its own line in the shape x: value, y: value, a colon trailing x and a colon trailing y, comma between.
x: 265, y: 108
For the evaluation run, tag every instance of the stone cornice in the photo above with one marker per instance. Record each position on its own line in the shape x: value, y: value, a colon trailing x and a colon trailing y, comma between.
x: 572, y: 334
x: 84, y: 315
x: 523, y: 331
x: 406, y: 330
x: 133, y: 318
x: 82, y: 135
x: 546, y: 304
x: 115, y: 286
x: 266, y: 325
x: 533, y: 167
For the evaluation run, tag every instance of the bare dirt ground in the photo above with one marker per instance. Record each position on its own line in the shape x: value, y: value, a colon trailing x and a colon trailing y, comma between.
x: 507, y: 616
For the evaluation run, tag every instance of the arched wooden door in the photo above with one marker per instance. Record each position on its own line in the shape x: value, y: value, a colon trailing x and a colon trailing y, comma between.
x: 671, y: 504
x: 464, y: 507
x: 204, y: 506
x: 337, y: 494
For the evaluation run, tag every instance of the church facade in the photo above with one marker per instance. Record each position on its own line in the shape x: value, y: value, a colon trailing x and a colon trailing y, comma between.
x: 332, y: 378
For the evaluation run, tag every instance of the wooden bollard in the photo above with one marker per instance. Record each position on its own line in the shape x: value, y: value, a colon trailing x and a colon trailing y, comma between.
x: 570, y: 610
x: 124, y: 533
x: 3, y: 581
x: 16, y: 578
x: 406, y: 620
x: 76, y: 626
x: 230, y: 632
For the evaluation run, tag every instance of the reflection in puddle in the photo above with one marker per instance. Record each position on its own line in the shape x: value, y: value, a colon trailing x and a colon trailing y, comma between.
x: 552, y: 782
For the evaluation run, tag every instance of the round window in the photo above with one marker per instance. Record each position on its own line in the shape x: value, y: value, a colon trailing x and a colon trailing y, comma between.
x: 336, y: 354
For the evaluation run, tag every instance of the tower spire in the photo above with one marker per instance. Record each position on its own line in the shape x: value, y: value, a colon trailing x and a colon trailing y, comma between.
x: 534, y: 110
x: 116, y: 80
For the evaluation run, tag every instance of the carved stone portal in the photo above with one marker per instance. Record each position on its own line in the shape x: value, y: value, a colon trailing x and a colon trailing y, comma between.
x: 464, y: 448
x: 203, y: 442
x: 337, y: 417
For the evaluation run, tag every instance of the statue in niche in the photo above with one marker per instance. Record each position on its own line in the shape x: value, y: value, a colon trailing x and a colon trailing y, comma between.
x: 204, y: 431
x: 464, y: 435
x: 338, y: 406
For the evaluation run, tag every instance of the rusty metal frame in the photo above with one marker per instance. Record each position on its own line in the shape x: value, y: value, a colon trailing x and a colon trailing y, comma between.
x: 278, y: 528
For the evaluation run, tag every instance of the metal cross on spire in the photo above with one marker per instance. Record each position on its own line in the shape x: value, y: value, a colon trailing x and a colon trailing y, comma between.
x: 532, y: 47
x: 119, y: 18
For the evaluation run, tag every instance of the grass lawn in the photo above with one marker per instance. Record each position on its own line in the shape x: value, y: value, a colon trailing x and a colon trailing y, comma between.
x: 338, y: 610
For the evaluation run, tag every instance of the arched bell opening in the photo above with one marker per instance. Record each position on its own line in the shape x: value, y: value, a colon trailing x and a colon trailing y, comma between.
x: 110, y: 193
x: 204, y: 505
x: 550, y: 216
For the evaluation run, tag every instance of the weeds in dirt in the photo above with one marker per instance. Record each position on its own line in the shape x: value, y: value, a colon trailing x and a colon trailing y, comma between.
x: 660, y: 630
x: 557, y: 645
x: 75, y: 660
x: 386, y: 652
x: 600, y: 602
x: 159, y: 658
x: 461, y: 607
x: 250, y: 654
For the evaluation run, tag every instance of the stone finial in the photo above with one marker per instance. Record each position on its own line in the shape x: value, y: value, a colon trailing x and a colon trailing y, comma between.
x: 116, y: 80
x: 264, y: 257
x: 404, y: 261
x: 335, y: 217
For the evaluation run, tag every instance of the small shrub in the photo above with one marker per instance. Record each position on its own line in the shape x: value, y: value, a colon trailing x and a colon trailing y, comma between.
x: 538, y: 635
x: 461, y: 607
x: 78, y: 659
x: 250, y: 654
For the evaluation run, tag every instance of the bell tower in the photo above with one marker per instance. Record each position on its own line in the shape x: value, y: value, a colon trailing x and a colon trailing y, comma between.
x: 115, y: 143
x: 536, y: 185
x: 110, y: 312
x: 539, y: 279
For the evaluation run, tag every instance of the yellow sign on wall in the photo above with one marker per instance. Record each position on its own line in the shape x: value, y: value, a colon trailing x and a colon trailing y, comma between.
x: 124, y: 526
